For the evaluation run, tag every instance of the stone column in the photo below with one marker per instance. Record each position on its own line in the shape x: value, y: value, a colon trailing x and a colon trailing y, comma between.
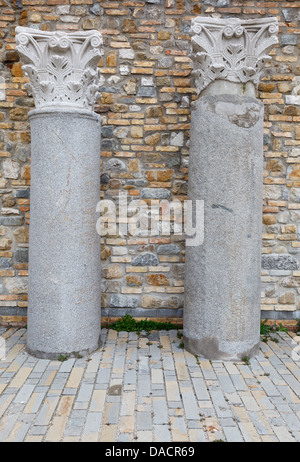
x: 64, y: 247
x: 222, y: 282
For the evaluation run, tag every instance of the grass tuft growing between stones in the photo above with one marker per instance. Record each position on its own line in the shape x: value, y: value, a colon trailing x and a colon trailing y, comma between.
x: 266, y: 331
x: 128, y: 324
x: 63, y: 358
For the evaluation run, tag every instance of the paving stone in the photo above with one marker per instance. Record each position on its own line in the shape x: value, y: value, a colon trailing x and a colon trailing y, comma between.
x: 283, y: 434
x: 160, y: 411
x: 111, y: 413
x: 238, y: 382
x: 103, y: 375
x: 38, y: 430
x: 157, y: 376
x: 162, y: 434
x: 92, y: 427
x: 97, y: 401
x: 59, y: 381
x: 169, y: 400
x: 233, y: 434
x: 144, y: 385
x: 128, y: 403
x: 291, y: 421
x: 200, y: 389
x: 220, y: 404
x: 144, y: 436
x: 225, y: 382
x: 197, y: 436
x: 41, y: 365
x: 24, y: 393
x: 269, y: 387
x: 75, y: 377
x: 274, y: 418
x: 249, y: 432
x: 47, y: 410
x: 178, y: 429
x: 34, y: 403
x: 194, y: 424
x: 227, y: 422
x: 130, y: 377
x: 189, y: 404
x: 19, y: 432
x: 60, y: 419
x: 143, y: 421
x: 69, y: 391
x: 125, y: 438
x: 85, y: 392
x: 8, y: 422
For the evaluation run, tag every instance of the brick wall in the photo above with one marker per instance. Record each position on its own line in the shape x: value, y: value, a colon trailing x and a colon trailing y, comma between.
x: 145, y: 104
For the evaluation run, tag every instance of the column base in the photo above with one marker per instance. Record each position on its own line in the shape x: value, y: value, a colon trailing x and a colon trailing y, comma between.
x: 209, y: 348
x: 73, y: 354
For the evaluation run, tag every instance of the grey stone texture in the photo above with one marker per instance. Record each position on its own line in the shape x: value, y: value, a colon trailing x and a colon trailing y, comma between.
x: 279, y: 262
x: 145, y: 259
x: 64, y: 254
x: 222, y: 275
x: 123, y: 301
x: 155, y: 193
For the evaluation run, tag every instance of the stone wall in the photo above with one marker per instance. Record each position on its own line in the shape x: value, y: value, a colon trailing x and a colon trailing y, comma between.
x: 147, y: 90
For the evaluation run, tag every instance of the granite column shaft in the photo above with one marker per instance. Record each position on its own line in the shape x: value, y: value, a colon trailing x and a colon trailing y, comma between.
x: 222, y: 275
x: 64, y: 315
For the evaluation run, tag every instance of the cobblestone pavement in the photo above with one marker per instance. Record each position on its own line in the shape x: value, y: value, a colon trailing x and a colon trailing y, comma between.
x: 147, y: 388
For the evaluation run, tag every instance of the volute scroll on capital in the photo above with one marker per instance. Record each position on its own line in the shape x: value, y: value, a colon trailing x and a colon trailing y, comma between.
x: 62, y: 67
x: 231, y: 49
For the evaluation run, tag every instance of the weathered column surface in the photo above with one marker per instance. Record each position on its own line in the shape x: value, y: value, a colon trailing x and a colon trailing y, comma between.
x: 64, y: 247
x: 222, y: 282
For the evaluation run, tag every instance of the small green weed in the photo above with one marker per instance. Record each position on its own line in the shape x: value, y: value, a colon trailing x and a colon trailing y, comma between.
x: 266, y: 331
x: 129, y: 324
x: 280, y: 328
x: 63, y: 358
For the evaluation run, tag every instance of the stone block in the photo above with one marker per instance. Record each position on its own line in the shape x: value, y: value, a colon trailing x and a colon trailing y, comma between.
x: 155, y: 193
x: 16, y: 285
x: 147, y: 92
x: 157, y: 280
x: 145, y: 259
x: 279, y: 262
x: 123, y: 301
x: 21, y: 255
x: 113, y: 272
x: 168, y: 249
x: 5, y: 243
x: 11, y: 169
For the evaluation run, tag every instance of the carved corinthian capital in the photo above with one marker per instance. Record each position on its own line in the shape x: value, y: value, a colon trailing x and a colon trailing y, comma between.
x: 231, y: 49
x: 62, y: 67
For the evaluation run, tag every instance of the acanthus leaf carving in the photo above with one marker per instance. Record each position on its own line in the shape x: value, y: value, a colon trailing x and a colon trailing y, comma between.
x: 62, y: 67
x: 231, y: 49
